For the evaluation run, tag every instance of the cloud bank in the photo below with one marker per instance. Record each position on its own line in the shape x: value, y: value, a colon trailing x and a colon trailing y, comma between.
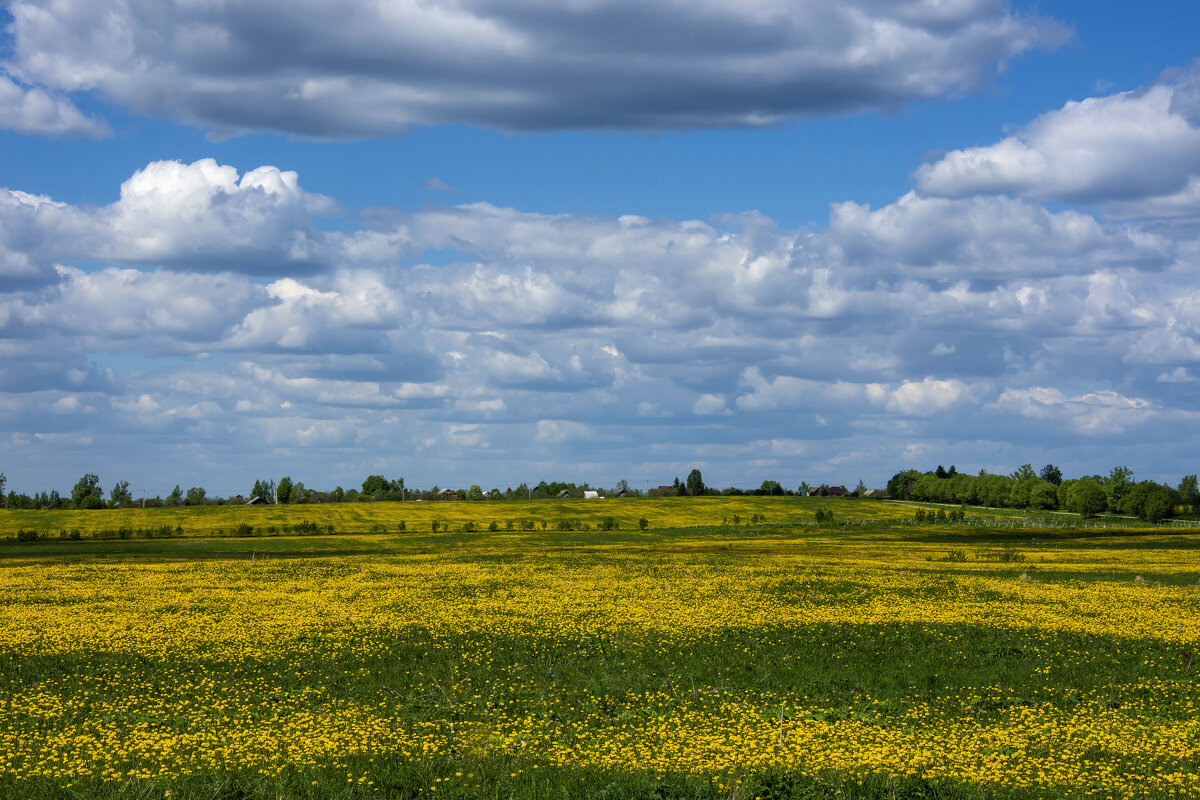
x: 209, y: 316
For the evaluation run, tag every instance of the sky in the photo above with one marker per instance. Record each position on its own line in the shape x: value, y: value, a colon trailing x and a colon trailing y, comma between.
x: 497, y: 241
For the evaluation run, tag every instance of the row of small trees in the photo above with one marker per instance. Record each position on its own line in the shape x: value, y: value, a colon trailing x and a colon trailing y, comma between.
x: 1117, y: 492
x: 87, y: 494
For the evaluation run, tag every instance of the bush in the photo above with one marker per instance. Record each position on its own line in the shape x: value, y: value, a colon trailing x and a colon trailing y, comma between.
x: 469, y: 527
x: 27, y: 536
x: 608, y: 524
x: 244, y: 530
x: 1010, y: 555
x: 643, y: 523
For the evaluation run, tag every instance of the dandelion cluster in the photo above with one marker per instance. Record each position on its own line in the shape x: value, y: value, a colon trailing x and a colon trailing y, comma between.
x: 717, y: 655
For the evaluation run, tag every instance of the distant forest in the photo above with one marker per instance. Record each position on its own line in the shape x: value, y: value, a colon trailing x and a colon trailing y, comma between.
x: 1115, y: 493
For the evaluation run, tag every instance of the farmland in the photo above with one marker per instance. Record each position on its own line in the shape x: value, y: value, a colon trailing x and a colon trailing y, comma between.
x: 733, y: 648
x: 272, y: 520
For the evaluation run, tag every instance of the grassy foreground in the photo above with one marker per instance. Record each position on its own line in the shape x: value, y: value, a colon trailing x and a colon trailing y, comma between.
x: 696, y: 659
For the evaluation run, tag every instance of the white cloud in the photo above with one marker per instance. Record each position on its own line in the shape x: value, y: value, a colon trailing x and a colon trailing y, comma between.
x: 983, y: 237
x: 928, y: 396
x: 486, y: 408
x: 1121, y: 149
x: 468, y: 436
x: 204, y: 214
x: 368, y: 69
x: 1177, y: 375
x: 709, y: 404
x: 68, y: 405
x: 436, y: 184
x: 1104, y: 413
x: 558, y: 431
x: 199, y: 217
x: 786, y: 391
x: 35, y: 111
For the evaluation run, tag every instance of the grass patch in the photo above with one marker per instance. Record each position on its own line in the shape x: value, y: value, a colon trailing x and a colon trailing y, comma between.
x: 776, y: 659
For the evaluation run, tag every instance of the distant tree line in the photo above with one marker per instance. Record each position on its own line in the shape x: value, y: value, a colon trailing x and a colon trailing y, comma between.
x: 1089, y: 495
x: 1115, y: 493
x: 88, y: 494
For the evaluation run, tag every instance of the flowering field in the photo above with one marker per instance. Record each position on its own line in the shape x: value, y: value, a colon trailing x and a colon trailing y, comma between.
x: 275, y: 520
x: 683, y: 661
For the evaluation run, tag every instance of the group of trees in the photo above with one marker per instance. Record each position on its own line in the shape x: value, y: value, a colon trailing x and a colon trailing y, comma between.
x: 1089, y: 495
x: 694, y: 486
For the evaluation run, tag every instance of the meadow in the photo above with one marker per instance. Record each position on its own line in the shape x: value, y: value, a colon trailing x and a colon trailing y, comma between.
x: 733, y: 648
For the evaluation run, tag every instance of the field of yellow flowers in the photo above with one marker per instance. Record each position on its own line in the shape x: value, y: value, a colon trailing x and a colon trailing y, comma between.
x: 277, y: 520
x: 696, y: 658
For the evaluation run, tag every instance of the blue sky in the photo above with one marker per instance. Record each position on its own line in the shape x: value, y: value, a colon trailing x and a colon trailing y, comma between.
x: 490, y: 242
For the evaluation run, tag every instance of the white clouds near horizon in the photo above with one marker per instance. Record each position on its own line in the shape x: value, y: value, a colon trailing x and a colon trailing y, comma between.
x: 226, y: 312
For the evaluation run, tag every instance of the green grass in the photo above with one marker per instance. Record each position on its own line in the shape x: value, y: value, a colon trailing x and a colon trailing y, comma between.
x: 541, y: 515
x: 603, y: 680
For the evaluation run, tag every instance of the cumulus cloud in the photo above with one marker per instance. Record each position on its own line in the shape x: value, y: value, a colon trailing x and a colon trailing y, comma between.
x: 36, y: 231
x: 1138, y: 152
x: 35, y: 111
x: 708, y: 404
x: 787, y: 391
x: 984, y: 237
x: 928, y: 396
x: 557, y: 431
x: 204, y: 214
x: 200, y: 216
x: 1177, y: 375
x: 329, y: 70
x: 1103, y: 413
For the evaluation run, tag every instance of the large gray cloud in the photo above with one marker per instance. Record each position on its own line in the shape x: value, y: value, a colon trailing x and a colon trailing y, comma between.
x: 328, y: 69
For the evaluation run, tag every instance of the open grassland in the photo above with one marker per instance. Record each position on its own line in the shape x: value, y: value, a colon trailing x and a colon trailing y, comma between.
x: 275, y: 520
x: 655, y: 514
x: 694, y: 659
